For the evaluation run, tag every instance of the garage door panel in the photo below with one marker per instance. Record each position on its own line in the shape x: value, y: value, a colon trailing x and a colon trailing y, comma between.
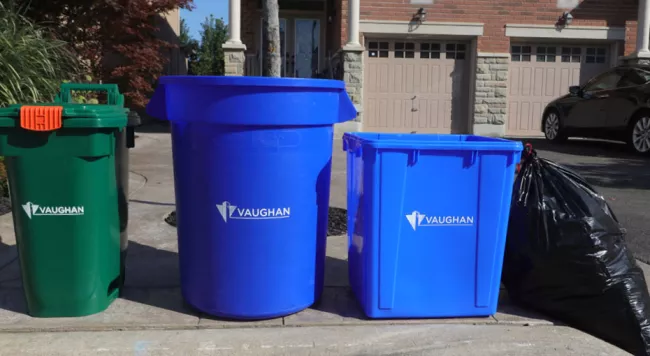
x: 523, y: 80
x: 449, y: 111
x: 551, y: 86
x: 513, y: 115
x: 540, y: 73
x: 420, y: 116
x: 377, y: 80
x: 427, y: 88
x: 379, y: 111
x: 433, y: 85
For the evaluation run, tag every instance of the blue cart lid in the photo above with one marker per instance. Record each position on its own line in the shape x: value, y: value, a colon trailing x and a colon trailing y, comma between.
x: 242, y: 81
x: 251, y: 101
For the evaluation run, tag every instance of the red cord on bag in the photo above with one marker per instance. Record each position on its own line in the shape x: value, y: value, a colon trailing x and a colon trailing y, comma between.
x: 528, y: 150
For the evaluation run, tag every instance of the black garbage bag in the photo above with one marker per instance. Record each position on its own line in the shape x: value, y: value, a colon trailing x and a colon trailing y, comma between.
x: 566, y: 257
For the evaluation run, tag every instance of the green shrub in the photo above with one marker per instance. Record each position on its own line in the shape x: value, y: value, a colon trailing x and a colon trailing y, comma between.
x: 33, y: 63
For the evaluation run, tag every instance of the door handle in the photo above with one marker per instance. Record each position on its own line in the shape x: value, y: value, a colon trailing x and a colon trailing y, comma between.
x: 601, y: 96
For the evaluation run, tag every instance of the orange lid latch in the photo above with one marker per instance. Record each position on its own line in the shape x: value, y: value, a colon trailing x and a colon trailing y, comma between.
x: 41, y: 118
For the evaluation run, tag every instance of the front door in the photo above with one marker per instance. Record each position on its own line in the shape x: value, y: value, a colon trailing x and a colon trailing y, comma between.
x: 300, y: 42
x: 306, y: 48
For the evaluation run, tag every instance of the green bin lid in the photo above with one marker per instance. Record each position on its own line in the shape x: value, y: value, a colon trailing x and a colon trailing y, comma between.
x: 73, y: 115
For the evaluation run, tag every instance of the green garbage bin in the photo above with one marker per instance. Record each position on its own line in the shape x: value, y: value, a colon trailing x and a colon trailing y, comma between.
x: 125, y: 140
x: 60, y: 161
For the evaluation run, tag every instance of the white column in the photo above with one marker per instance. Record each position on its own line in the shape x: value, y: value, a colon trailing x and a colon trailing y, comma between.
x: 643, y: 28
x: 354, y: 9
x: 234, y: 22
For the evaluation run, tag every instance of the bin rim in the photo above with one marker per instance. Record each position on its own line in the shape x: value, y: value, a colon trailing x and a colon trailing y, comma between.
x: 71, y: 110
x: 247, y: 81
x: 352, y: 141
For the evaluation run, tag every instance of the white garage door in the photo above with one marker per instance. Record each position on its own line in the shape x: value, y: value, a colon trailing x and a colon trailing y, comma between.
x: 541, y: 73
x: 415, y: 86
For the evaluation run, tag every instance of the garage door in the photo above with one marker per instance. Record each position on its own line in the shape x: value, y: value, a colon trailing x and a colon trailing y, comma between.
x: 541, y: 73
x: 415, y: 86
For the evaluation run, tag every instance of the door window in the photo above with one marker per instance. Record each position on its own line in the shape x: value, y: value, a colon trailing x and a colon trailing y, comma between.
x: 307, y: 43
x: 605, y: 81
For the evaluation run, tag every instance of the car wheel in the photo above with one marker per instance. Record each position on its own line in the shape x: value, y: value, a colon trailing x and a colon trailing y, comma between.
x: 639, y: 138
x: 552, y: 128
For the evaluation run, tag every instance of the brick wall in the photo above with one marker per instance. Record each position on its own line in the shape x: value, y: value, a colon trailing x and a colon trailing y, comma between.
x: 630, y: 36
x: 250, y: 16
x: 495, y: 14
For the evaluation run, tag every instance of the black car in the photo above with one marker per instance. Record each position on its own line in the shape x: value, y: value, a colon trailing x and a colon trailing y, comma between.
x: 614, y: 105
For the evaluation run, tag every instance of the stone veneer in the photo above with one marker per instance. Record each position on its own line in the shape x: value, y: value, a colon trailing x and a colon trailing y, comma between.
x: 234, y: 58
x: 353, y: 76
x: 491, y: 95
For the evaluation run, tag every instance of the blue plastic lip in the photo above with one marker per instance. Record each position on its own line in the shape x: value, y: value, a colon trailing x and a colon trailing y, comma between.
x: 253, y: 81
x: 492, y: 144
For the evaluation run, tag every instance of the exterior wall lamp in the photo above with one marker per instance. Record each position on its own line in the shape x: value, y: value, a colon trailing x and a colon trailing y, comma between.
x: 564, y: 20
x: 420, y: 16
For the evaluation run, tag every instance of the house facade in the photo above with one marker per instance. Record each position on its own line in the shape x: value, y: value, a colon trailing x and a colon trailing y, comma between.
x: 169, y: 29
x: 486, y: 67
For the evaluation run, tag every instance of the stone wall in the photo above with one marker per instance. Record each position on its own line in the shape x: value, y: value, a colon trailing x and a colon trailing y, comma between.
x: 353, y: 76
x: 235, y: 59
x: 352, y: 59
x: 491, y: 95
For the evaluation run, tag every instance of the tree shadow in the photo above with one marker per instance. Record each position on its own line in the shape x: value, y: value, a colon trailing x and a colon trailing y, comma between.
x: 8, y: 257
x: 11, y: 296
x: 584, y: 147
x: 603, y: 163
x: 153, y: 126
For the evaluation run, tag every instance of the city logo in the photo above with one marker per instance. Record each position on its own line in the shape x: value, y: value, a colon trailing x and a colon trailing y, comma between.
x: 417, y: 219
x: 32, y: 210
x: 229, y: 211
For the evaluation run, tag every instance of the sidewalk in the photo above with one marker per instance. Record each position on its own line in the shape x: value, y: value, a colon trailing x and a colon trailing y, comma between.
x: 159, y: 323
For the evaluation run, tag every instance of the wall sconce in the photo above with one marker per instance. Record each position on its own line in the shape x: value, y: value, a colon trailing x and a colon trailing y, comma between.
x: 568, y: 18
x: 564, y: 20
x: 420, y: 16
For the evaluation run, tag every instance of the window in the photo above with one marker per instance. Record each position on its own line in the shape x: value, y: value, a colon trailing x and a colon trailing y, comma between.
x: 520, y: 53
x: 378, y: 49
x: 430, y: 50
x: 643, y: 73
x: 455, y: 51
x: 633, y: 77
x: 596, y: 55
x: 404, y: 50
x: 606, y: 81
x: 546, y: 54
x: 571, y: 54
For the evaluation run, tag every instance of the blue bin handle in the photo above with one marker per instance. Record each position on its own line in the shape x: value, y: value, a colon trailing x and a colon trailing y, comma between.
x: 157, y: 104
x: 347, y: 110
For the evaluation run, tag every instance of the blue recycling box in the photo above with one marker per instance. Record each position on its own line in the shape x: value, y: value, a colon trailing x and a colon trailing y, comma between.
x: 427, y: 222
x: 252, y: 163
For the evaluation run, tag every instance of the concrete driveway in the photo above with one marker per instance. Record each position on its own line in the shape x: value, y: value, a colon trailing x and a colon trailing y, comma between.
x: 618, y: 174
x: 151, y: 318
